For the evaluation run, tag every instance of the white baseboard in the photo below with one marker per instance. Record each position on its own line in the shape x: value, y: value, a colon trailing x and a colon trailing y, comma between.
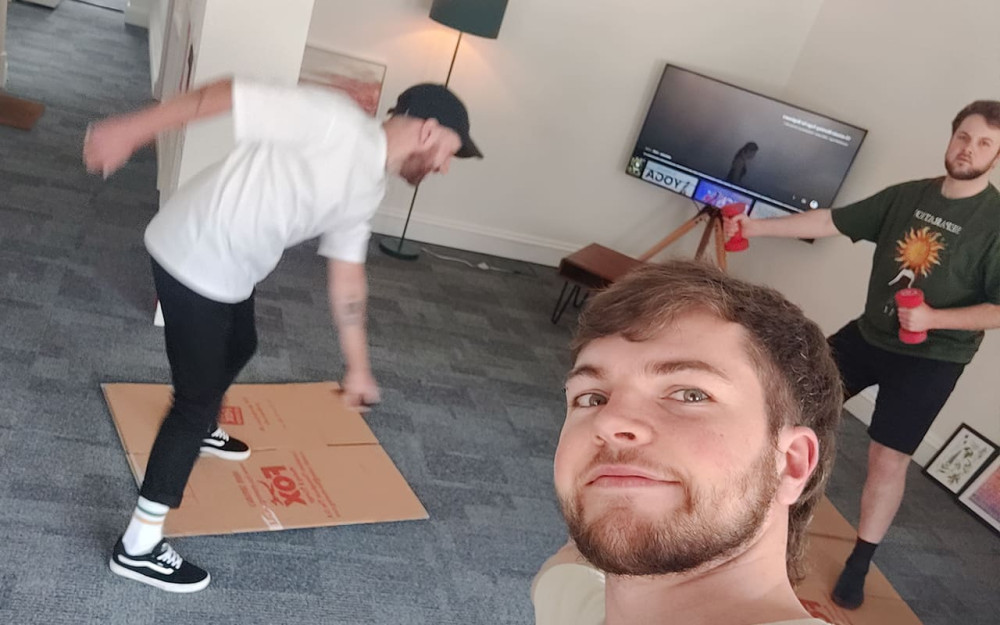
x: 464, y: 236
x: 137, y: 13
x: 863, y: 405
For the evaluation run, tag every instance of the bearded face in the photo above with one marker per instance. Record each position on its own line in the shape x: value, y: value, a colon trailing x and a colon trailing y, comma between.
x: 666, y: 461
x: 712, y: 523
x: 974, y: 149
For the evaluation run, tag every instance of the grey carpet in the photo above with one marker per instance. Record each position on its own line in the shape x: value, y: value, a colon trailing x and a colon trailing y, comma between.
x: 470, y: 367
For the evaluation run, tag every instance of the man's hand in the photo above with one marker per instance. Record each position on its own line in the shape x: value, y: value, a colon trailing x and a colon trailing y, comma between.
x: 732, y: 225
x: 360, y: 390
x: 348, y: 289
x: 918, y: 319
x: 109, y: 144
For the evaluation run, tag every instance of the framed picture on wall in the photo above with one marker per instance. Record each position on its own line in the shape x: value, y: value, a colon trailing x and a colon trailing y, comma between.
x: 982, y: 497
x: 961, y: 459
x: 361, y: 79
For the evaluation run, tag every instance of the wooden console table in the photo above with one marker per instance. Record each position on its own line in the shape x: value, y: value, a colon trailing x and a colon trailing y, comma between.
x: 14, y: 112
x: 593, y: 267
x: 596, y: 266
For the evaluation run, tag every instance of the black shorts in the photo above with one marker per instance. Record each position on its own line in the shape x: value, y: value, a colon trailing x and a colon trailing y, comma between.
x: 912, y: 390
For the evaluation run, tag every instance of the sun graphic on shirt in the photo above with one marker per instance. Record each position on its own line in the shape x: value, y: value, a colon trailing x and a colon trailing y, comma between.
x: 920, y: 250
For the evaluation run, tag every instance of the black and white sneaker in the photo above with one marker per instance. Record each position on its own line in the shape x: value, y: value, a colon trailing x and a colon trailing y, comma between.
x: 221, y: 445
x: 161, y: 568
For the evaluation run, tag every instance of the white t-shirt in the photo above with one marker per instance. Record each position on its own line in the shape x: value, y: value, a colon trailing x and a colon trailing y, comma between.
x: 308, y: 162
x: 568, y: 590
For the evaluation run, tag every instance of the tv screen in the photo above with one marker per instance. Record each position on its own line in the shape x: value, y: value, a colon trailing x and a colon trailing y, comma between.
x: 718, y: 144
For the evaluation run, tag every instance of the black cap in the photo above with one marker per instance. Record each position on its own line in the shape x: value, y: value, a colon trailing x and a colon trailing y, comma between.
x: 430, y: 101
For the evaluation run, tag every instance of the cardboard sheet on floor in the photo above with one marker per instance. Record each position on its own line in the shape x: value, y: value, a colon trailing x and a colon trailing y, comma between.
x: 314, y: 462
x: 831, y: 539
x: 563, y: 593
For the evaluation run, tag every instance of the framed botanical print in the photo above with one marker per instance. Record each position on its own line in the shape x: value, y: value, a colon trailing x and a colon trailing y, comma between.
x: 961, y: 459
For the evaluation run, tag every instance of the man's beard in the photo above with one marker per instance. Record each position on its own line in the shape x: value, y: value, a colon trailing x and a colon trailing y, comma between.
x: 417, y: 167
x: 708, y: 527
x: 970, y: 174
x: 414, y: 177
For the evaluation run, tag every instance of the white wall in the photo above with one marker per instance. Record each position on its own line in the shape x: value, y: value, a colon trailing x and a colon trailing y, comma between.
x: 902, y: 69
x: 137, y: 12
x: 259, y: 39
x: 556, y: 102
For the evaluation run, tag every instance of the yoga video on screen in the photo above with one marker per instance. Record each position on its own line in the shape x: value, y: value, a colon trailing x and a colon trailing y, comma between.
x: 699, y: 130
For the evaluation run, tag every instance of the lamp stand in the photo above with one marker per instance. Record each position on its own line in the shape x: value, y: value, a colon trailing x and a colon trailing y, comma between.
x: 399, y: 247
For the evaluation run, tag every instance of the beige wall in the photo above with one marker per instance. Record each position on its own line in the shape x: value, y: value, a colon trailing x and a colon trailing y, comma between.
x: 902, y: 69
x: 556, y: 102
x: 557, y: 99
x: 137, y: 12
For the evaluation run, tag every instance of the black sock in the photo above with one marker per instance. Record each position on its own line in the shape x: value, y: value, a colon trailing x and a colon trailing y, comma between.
x: 861, y: 557
x: 850, y: 589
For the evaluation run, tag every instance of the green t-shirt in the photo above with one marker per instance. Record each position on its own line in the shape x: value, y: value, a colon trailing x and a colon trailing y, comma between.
x: 950, y: 249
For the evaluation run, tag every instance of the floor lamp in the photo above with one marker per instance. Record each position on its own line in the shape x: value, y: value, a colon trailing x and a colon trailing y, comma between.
x: 474, y: 17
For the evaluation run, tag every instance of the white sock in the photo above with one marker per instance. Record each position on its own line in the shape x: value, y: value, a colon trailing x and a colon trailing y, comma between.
x: 146, y: 527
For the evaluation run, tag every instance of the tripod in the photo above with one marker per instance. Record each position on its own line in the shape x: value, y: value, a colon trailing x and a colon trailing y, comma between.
x: 712, y: 218
x: 595, y: 266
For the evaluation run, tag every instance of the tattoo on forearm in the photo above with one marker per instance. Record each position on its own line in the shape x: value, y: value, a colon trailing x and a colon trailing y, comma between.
x: 353, y: 312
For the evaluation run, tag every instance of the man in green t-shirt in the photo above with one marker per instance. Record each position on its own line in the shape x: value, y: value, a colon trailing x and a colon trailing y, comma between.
x: 941, y: 236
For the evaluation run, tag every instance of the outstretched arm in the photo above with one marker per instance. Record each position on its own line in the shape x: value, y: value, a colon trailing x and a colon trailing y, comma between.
x: 348, y: 289
x: 111, y: 142
x: 813, y: 224
x: 923, y: 318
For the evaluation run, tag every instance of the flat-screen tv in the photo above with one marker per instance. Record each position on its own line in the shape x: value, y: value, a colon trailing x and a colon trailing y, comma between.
x: 717, y: 144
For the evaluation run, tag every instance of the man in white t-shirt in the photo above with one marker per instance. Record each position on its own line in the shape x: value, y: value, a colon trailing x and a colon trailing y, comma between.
x: 308, y: 163
x: 699, y: 434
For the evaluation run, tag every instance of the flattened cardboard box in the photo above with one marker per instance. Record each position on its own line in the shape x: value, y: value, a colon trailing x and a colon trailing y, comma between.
x: 313, y: 461
x: 831, y: 539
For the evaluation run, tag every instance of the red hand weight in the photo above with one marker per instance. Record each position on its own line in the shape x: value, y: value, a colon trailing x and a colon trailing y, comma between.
x: 736, y: 243
x: 910, y: 298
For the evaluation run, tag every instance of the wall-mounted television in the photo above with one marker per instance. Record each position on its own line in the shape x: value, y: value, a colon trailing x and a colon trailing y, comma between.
x: 717, y: 143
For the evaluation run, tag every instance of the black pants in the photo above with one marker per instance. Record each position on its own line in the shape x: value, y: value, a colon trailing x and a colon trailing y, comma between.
x: 208, y: 344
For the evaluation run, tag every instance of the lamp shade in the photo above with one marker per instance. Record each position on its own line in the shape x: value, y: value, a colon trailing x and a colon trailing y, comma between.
x: 476, y: 17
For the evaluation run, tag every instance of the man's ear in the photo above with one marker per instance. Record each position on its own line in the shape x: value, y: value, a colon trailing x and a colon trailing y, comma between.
x: 428, y: 132
x: 799, y: 449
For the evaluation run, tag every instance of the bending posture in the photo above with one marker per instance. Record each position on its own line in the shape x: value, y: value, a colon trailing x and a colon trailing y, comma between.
x: 701, y: 413
x: 941, y: 236
x: 308, y: 163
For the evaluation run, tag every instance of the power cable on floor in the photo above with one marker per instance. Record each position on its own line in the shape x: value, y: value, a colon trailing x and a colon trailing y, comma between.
x: 483, y: 265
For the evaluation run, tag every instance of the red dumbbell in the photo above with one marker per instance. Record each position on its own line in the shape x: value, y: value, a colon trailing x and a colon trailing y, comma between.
x: 910, y: 298
x: 736, y: 243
